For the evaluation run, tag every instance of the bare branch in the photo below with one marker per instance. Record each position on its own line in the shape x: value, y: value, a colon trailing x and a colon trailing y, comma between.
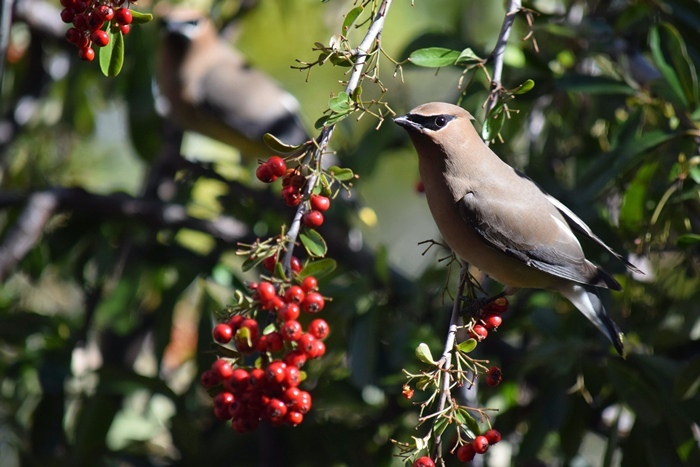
x: 497, y: 55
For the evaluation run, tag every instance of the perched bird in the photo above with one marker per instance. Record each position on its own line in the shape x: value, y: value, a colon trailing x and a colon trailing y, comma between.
x: 209, y: 88
x: 499, y: 220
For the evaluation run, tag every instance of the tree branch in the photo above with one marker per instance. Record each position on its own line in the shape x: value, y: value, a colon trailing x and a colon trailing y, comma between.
x: 497, y: 55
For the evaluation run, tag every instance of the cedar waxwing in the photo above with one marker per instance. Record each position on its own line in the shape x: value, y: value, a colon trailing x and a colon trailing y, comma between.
x: 499, y: 220
x: 210, y: 89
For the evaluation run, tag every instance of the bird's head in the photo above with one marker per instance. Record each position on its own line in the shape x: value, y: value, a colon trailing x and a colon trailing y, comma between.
x: 184, y: 26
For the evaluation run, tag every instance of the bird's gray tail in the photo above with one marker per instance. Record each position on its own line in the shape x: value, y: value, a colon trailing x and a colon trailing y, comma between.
x: 588, y: 302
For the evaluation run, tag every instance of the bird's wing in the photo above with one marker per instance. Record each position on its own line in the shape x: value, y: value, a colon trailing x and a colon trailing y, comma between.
x: 580, y: 226
x: 530, y: 230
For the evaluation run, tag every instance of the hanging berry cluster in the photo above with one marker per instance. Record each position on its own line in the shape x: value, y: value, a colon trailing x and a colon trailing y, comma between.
x: 455, y: 370
x: 272, y: 330
x: 100, y: 23
x: 268, y: 389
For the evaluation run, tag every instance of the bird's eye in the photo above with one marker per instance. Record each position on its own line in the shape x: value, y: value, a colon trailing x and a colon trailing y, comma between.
x: 440, y: 121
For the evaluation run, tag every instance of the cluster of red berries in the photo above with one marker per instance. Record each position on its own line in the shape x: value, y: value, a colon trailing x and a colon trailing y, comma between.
x: 91, y: 19
x: 269, y: 391
x: 489, y: 318
x: 292, y: 189
x: 480, y: 445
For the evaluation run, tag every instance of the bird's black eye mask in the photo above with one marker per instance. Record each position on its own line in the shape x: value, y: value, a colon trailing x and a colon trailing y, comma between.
x: 431, y: 122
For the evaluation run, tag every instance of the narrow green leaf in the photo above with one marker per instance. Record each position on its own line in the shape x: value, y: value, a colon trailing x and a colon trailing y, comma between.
x: 687, y: 384
x: 278, y: 146
x: 467, y: 346
x: 440, y: 426
x: 318, y: 269
x: 434, y: 57
x: 341, y: 173
x: 111, y: 56
x: 140, y: 18
x: 314, y: 243
x: 423, y: 353
x: 593, y: 85
x: 525, y: 87
x: 351, y: 17
x: 688, y: 240
x: 682, y: 63
x: 468, y: 421
x: 670, y: 76
x: 340, y: 103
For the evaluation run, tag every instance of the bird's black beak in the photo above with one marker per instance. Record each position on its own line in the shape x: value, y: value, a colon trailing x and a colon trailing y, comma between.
x: 406, y: 122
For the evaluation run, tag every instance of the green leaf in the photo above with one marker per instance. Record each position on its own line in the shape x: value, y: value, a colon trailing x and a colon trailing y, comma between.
x: 278, y: 146
x: 525, y: 87
x: 466, y: 419
x: 434, y: 57
x: 341, y: 173
x: 682, y: 63
x: 423, y: 353
x: 314, y: 243
x: 467, y: 346
x: 688, y: 240
x: 318, y: 269
x: 351, y: 17
x: 669, y: 74
x: 140, y: 18
x: 492, y: 126
x: 340, y: 103
x: 467, y: 56
x: 111, y: 56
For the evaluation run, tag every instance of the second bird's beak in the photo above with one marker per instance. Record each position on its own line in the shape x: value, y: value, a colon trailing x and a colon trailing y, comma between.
x: 405, y: 122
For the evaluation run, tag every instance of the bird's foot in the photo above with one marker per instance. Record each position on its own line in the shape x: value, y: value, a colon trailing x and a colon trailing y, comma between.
x: 473, y: 305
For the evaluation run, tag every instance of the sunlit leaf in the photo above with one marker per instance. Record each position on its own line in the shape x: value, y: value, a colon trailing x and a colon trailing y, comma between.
x: 314, y: 243
x: 111, y: 56
x: 140, y: 18
x: 318, y: 269
x: 423, y: 353
x: 467, y: 346
x: 527, y: 86
x: 351, y: 17
x: 434, y: 57
x: 278, y: 146
x: 341, y: 173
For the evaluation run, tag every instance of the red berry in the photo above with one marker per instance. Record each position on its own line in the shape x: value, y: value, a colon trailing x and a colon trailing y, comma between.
x: 99, y: 38
x: 319, y: 350
x: 86, y: 53
x: 492, y: 321
x: 275, y: 409
x: 294, y: 418
x: 313, y: 303
x: 73, y: 36
x: 466, y: 452
x: 307, y: 343
x: 67, y: 15
x: 294, y: 294
x: 289, y: 312
x: 252, y: 326
x: 295, y: 264
x: 312, y: 219
x: 264, y: 173
x: 224, y: 399
x: 494, y: 376
x: 222, y: 368
x: 499, y: 306
x: 320, y: 203
x: 235, y: 322
x: 106, y: 12
x: 319, y: 328
x: 291, y: 196
x: 292, y: 376
x: 208, y: 379
x: 274, y: 342
x: 222, y: 333
x: 479, y: 332
x: 303, y: 402
x: 275, y: 304
x: 81, y: 22
x: 260, y: 344
x: 238, y: 382
x: 493, y: 436
x: 256, y: 378
x: 420, y: 187
x: 424, y: 461
x: 309, y: 283
x: 270, y: 262
x: 277, y: 166
x: 275, y: 371
x: 67, y: 3
x: 124, y: 28
x: 291, y: 394
x: 266, y: 291
x: 481, y: 444
x: 295, y: 358
x: 123, y: 16
x: 95, y: 21
x: 291, y: 330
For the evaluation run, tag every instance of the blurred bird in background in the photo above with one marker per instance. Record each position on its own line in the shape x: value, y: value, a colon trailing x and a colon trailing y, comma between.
x: 206, y: 86
x: 499, y: 220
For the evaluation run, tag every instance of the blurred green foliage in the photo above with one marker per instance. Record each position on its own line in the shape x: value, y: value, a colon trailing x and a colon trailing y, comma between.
x: 105, y: 322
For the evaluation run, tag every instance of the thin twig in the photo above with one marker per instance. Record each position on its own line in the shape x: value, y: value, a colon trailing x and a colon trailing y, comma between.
x: 497, y: 55
x: 363, y: 50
